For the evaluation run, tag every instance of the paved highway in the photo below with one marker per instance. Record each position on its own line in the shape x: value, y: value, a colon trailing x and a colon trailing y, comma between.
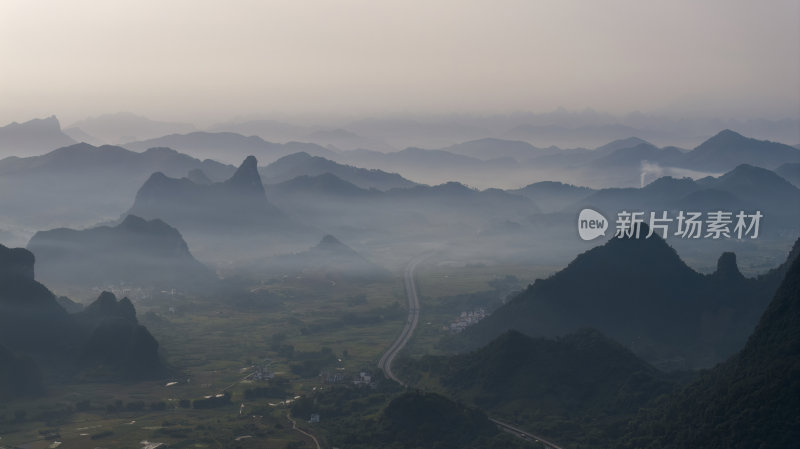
x: 386, y: 360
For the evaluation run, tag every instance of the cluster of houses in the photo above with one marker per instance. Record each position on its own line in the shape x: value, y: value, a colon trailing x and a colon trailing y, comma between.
x: 363, y: 378
x: 261, y: 373
x: 466, y: 319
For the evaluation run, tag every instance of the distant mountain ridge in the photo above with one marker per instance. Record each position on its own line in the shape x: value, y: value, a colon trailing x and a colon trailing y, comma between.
x: 81, y: 185
x: 229, y: 147
x: 125, y: 126
x: 33, y: 137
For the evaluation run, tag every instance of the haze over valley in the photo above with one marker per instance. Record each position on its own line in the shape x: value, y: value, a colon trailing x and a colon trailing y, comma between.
x: 383, y: 225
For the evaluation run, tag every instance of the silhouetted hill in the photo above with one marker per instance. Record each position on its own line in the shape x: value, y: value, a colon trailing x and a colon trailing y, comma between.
x: 751, y: 400
x: 32, y: 324
x: 303, y: 164
x: 552, y: 196
x: 228, y: 147
x: 790, y: 172
x: 35, y: 136
x: 761, y: 187
x: 560, y: 387
x: 19, y: 376
x: 454, y: 195
x: 728, y: 149
x: 640, y: 293
x: 409, y: 420
x: 117, y: 347
x: 30, y: 317
x: 136, y: 252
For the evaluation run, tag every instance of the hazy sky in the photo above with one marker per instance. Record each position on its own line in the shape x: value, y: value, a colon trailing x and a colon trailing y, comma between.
x: 209, y: 60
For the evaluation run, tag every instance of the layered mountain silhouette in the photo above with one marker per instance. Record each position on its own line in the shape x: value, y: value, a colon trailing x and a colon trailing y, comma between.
x: 303, y: 164
x: 104, y: 341
x: 640, y: 293
x: 36, y: 136
x: 790, y: 172
x: 19, y: 376
x: 228, y: 146
x: 125, y: 127
x: 446, y: 211
x: 491, y: 148
x: 80, y: 185
x: 745, y: 188
x: 136, y: 252
x: 751, y: 400
x: 227, y: 216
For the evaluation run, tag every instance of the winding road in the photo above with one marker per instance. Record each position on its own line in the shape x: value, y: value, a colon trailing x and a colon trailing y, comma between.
x: 385, y: 363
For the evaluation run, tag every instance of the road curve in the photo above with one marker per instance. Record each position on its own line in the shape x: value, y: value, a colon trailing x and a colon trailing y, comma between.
x: 387, y: 358
x: 294, y: 427
x: 523, y: 434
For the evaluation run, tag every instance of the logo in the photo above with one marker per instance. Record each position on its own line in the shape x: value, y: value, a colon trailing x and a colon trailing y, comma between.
x: 591, y: 224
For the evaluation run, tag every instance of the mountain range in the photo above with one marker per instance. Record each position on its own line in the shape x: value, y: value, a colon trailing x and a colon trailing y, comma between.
x: 639, y: 292
x: 228, y: 147
x: 81, y: 185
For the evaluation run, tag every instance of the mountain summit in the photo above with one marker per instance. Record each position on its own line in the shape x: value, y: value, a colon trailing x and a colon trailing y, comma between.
x: 246, y: 177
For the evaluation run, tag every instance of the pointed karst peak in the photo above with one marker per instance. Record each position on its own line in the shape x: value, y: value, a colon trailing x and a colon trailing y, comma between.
x: 246, y: 176
x: 726, y: 137
x: 107, y: 306
x: 727, y: 269
x: 330, y: 240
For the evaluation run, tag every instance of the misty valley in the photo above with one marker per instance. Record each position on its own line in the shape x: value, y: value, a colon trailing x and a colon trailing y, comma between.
x: 258, y: 285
